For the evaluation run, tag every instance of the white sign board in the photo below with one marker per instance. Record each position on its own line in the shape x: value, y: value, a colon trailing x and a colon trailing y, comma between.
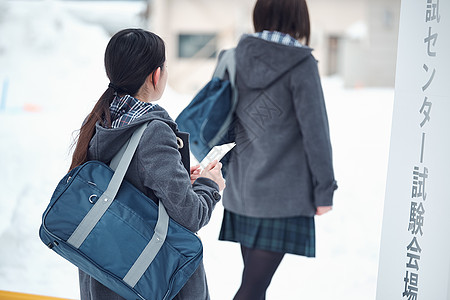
x: 415, y: 244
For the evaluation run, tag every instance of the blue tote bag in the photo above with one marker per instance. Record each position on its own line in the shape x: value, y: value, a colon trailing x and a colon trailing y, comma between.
x: 113, y: 232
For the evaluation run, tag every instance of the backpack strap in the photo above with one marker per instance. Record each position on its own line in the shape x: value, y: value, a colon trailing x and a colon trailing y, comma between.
x: 226, y: 64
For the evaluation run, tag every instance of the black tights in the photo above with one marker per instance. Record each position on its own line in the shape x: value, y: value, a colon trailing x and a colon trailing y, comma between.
x: 259, y: 267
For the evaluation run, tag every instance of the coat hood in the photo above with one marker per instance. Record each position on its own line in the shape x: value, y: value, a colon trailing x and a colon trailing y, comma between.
x: 260, y: 62
x: 108, y: 141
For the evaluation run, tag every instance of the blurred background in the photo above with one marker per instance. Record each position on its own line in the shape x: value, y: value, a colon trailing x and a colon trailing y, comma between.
x: 354, y: 39
x: 52, y: 73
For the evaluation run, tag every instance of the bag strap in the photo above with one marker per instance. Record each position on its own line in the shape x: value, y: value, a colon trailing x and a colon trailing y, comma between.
x: 116, y: 159
x: 151, y: 250
x: 100, y: 207
x: 227, y: 63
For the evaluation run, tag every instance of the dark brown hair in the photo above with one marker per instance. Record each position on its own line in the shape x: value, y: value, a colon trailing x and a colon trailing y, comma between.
x: 130, y: 57
x: 286, y: 16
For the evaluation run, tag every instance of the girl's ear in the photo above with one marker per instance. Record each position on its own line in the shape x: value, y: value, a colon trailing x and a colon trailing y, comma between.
x: 155, y: 76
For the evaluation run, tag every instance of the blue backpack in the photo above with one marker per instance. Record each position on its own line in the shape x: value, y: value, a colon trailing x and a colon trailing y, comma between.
x: 210, y: 115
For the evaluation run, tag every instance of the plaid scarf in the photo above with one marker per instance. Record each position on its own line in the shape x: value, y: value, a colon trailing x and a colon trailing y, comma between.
x: 277, y: 37
x: 126, y: 109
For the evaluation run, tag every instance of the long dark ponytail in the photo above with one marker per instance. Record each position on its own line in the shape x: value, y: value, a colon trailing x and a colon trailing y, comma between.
x: 130, y: 57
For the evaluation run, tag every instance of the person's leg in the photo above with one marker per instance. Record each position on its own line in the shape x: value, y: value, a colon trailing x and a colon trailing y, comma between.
x: 259, y: 267
x: 244, y: 252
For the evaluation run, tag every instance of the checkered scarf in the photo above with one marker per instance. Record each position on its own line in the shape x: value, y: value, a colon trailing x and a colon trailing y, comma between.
x: 126, y: 109
x: 277, y: 37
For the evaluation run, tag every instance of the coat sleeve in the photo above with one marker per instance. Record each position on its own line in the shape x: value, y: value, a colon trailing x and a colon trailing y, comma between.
x: 163, y: 172
x: 312, y: 117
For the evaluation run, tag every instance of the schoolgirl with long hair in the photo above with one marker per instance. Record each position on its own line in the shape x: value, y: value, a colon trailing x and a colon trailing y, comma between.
x: 136, y: 66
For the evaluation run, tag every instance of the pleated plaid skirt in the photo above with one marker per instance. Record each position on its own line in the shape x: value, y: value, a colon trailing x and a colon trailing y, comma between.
x: 295, y: 235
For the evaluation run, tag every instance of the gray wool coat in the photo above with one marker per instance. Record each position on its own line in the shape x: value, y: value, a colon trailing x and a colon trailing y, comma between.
x: 282, y: 163
x: 157, y: 170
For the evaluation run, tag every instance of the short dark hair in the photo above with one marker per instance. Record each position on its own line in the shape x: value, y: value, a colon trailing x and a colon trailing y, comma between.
x: 286, y: 16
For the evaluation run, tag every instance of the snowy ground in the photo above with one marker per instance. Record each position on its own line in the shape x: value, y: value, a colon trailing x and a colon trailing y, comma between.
x: 52, y: 66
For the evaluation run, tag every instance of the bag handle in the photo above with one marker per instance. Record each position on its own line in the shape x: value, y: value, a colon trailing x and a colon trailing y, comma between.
x: 227, y: 63
x: 100, y: 207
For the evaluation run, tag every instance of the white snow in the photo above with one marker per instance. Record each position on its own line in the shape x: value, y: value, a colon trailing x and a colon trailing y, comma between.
x: 53, y: 62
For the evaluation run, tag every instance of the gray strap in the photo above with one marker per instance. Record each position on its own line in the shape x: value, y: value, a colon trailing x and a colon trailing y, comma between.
x: 96, y: 212
x: 120, y: 163
x: 226, y: 63
x: 151, y: 250
x: 116, y: 159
